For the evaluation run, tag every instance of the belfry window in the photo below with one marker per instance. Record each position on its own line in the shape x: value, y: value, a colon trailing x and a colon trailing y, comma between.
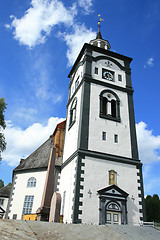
x: 72, y: 118
x: 109, y: 105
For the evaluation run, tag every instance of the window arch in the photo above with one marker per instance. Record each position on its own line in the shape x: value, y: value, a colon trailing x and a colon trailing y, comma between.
x: 109, y: 105
x: 31, y: 182
x: 113, y: 206
x: 72, y: 117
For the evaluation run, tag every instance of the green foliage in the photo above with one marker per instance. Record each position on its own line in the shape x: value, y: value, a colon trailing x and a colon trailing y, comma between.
x: 9, y: 184
x: 2, y: 125
x: 152, y: 208
x: 2, y: 110
x: 1, y: 183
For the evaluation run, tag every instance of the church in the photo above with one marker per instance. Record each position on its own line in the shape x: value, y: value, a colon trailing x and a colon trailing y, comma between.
x: 97, y: 178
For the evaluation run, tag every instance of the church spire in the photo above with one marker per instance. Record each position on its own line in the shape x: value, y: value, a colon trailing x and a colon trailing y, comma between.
x: 99, y: 41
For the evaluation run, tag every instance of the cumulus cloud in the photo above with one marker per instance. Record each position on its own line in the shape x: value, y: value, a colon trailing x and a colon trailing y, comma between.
x: 148, y: 144
x: 87, y: 5
x: 76, y: 40
x: 36, y: 24
x: 150, y: 62
x: 39, y: 19
x: 22, y: 142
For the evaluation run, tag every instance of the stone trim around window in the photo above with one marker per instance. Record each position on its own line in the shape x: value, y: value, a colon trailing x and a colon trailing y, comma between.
x: 109, y: 106
x: 72, y: 113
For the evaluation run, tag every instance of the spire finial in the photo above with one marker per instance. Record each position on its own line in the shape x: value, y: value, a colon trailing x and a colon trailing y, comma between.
x: 99, y: 36
x: 99, y: 22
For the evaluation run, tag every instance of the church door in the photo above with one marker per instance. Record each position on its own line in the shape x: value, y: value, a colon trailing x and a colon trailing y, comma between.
x: 113, y: 213
x: 113, y: 217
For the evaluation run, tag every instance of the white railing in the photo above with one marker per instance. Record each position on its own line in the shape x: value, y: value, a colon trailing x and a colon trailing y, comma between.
x: 146, y: 224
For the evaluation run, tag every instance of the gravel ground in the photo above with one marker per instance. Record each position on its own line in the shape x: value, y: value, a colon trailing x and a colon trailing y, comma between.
x: 30, y: 230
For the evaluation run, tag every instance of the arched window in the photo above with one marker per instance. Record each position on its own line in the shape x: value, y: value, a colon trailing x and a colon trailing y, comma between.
x: 109, y: 105
x: 72, y: 117
x: 113, y: 206
x: 31, y: 182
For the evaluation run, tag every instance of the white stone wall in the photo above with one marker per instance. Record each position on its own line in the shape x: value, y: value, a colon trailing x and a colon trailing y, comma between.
x: 101, y: 64
x: 77, y: 75
x: 97, y: 125
x: 97, y: 54
x: 71, y: 135
x: 67, y: 185
x: 96, y: 177
x: 21, y: 190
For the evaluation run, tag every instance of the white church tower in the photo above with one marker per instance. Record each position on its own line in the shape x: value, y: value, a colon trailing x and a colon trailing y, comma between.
x: 101, y: 175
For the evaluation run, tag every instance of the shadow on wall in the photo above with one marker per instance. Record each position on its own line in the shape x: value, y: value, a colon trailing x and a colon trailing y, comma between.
x: 133, y: 210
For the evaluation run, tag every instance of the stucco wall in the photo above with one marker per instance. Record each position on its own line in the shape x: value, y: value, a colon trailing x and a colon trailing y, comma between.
x: 96, y: 177
x: 67, y: 185
x: 97, y: 125
x: 71, y: 135
x: 21, y: 190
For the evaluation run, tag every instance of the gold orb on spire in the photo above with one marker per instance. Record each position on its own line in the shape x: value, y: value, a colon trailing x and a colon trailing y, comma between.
x: 100, y: 19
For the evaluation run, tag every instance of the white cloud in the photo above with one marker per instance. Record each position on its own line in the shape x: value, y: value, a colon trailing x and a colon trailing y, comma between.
x: 87, y: 5
x: 76, y: 40
x: 148, y: 144
x: 21, y: 143
x: 150, y: 62
x: 39, y: 19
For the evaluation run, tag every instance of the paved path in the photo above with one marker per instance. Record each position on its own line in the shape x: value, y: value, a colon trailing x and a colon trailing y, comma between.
x: 30, y: 230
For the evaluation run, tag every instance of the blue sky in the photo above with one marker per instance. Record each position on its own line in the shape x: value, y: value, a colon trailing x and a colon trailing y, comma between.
x: 40, y: 39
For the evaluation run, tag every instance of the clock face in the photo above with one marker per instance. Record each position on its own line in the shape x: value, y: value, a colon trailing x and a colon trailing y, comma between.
x: 107, y: 75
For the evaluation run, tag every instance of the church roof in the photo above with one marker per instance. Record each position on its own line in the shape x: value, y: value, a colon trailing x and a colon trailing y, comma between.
x: 5, y: 191
x: 38, y: 159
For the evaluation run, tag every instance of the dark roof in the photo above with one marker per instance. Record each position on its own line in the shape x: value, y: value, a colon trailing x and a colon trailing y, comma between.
x: 38, y: 159
x: 5, y: 191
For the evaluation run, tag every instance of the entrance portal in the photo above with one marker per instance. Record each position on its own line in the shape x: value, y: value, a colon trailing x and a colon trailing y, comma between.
x: 113, y: 205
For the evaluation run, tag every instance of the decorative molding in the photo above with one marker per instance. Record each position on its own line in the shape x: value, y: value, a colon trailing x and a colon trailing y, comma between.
x: 110, y: 85
x: 108, y: 64
x: 104, y: 156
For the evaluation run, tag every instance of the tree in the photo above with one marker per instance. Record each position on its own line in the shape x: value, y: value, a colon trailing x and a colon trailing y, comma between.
x: 2, y: 125
x: 1, y: 183
x: 152, y: 208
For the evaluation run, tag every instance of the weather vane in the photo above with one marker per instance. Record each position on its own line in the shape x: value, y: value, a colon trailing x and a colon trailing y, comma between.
x: 100, y: 19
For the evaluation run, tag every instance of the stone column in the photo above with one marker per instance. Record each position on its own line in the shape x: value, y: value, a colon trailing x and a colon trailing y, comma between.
x: 43, y: 211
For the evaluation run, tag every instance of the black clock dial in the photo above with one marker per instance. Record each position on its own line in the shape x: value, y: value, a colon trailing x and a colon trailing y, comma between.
x: 107, y: 75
